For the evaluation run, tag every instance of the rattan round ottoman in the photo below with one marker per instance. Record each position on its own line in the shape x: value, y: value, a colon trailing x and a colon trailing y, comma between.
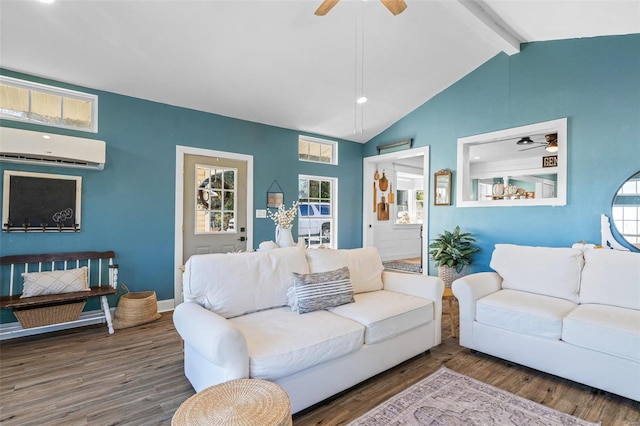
x: 241, y: 402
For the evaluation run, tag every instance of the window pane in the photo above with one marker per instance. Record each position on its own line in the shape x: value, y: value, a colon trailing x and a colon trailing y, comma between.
x: 314, y: 152
x: 46, y: 108
x: 216, y: 179
x: 303, y: 149
x: 77, y: 113
x: 325, y: 190
x: 326, y: 153
x: 229, y: 179
x: 314, y: 189
x: 14, y: 101
x: 303, y: 188
x: 229, y: 200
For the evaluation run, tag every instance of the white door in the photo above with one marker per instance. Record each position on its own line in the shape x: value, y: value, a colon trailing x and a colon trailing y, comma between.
x: 214, y: 205
x: 212, y: 157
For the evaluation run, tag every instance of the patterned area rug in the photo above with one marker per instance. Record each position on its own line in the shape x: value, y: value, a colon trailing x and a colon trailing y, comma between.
x: 450, y: 398
x: 402, y: 266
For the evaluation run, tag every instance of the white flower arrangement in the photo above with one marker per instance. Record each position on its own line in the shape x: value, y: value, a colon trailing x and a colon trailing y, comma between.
x: 284, y: 218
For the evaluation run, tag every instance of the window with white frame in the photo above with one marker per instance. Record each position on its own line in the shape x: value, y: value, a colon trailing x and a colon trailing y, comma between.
x: 317, y: 150
x: 317, y: 210
x: 36, y: 103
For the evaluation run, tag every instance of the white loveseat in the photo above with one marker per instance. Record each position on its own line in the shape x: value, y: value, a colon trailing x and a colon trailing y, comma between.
x: 570, y: 313
x: 235, y: 321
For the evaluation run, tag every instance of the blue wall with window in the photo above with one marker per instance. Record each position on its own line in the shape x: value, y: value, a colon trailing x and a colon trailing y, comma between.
x: 129, y: 207
x: 594, y: 82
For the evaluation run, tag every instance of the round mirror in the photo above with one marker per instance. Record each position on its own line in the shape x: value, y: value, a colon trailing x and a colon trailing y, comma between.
x: 625, y: 210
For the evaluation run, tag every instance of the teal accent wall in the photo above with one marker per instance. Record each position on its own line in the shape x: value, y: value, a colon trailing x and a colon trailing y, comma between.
x: 594, y: 82
x: 129, y: 207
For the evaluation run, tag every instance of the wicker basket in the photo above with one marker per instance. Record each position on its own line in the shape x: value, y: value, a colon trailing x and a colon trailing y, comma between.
x: 448, y: 274
x: 37, y: 317
x: 241, y: 402
x: 135, y: 309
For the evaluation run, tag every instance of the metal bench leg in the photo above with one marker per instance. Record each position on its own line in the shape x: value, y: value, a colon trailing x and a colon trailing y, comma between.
x: 107, y: 313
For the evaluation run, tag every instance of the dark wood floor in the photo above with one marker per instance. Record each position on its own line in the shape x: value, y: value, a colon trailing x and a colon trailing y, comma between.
x: 135, y: 377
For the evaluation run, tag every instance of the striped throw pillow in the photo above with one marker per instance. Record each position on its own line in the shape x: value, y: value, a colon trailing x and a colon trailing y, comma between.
x: 322, y: 290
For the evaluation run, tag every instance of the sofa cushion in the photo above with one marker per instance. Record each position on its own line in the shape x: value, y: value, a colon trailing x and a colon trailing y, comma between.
x: 365, y: 265
x: 321, y: 290
x: 608, y: 329
x: 548, y: 271
x: 281, y: 342
x: 611, y: 277
x: 523, y: 312
x: 237, y: 283
x: 386, y: 314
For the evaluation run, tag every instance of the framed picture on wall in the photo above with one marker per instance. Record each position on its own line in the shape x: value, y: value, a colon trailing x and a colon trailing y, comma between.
x: 442, y: 188
x: 275, y: 199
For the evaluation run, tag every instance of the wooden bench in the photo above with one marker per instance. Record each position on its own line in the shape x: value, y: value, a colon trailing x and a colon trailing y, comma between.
x: 102, y: 278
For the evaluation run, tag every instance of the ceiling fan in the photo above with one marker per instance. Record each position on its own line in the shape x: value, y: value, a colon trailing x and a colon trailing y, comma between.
x: 550, y: 144
x: 394, y: 6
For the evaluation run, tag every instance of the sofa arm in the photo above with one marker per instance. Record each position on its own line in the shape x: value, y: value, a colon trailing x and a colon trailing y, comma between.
x: 423, y: 286
x: 468, y: 290
x: 213, y: 337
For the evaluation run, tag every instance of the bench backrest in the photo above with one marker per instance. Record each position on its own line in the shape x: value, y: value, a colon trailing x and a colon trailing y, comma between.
x: 100, y: 268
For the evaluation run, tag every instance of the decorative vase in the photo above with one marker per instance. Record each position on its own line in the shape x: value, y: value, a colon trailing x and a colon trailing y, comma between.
x: 448, y: 274
x: 498, y: 188
x: 284, y: 237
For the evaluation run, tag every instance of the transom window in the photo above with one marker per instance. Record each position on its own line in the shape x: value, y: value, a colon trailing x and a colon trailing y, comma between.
x: 317, y: 150
x: 23, y: 100
x: 215, y: 199
x: 317, y: 213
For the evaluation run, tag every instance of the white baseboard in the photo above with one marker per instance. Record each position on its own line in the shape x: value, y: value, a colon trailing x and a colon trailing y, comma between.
x: 12, y: 330
x: 166, y: 305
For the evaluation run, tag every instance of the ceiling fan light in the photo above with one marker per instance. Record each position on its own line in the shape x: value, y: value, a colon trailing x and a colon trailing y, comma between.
x: 525, y: 141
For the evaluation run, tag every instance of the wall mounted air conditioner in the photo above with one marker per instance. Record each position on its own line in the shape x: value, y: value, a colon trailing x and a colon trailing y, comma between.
x: 50, y: 149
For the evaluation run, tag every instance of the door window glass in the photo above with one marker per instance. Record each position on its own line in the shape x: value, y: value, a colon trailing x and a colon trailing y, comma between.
x: 216, y: 199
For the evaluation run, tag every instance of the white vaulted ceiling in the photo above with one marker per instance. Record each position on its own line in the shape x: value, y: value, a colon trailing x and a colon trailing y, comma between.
x: 275, y: 62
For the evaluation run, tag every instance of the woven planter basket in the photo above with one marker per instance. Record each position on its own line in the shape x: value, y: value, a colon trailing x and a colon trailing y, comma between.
x: 241, y: 402
x: 448, y: 274
x: 37, y: 317
x: 136, y: 308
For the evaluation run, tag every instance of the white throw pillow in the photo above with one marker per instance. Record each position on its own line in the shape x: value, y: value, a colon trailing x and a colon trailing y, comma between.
x: 234, y: 284
x: 365, y: 265
x: 551, y: 271
x: 54, y: 282
x: 611, y: 277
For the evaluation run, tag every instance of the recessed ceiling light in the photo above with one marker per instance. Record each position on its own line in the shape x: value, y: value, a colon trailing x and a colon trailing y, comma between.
x: 46, y: 137
x: 362, y: 100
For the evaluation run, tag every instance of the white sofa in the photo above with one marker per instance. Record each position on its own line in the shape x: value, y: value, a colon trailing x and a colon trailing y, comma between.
x: 235, y: 321
x: 570, y: 313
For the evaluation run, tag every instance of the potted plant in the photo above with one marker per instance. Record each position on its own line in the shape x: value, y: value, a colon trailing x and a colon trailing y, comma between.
x: 451, y: 252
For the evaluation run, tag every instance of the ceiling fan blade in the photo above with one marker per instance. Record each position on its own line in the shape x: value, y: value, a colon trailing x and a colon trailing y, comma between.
x: 395, y: 6
x: 325, y: 7
x: 533, y: 147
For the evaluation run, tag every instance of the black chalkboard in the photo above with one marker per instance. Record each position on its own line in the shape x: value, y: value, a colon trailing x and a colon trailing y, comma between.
x: 42, y: 204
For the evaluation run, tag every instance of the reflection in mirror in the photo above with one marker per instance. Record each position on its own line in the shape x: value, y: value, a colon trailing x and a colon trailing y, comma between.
x: 519, y: 166
x: 625, y: 210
